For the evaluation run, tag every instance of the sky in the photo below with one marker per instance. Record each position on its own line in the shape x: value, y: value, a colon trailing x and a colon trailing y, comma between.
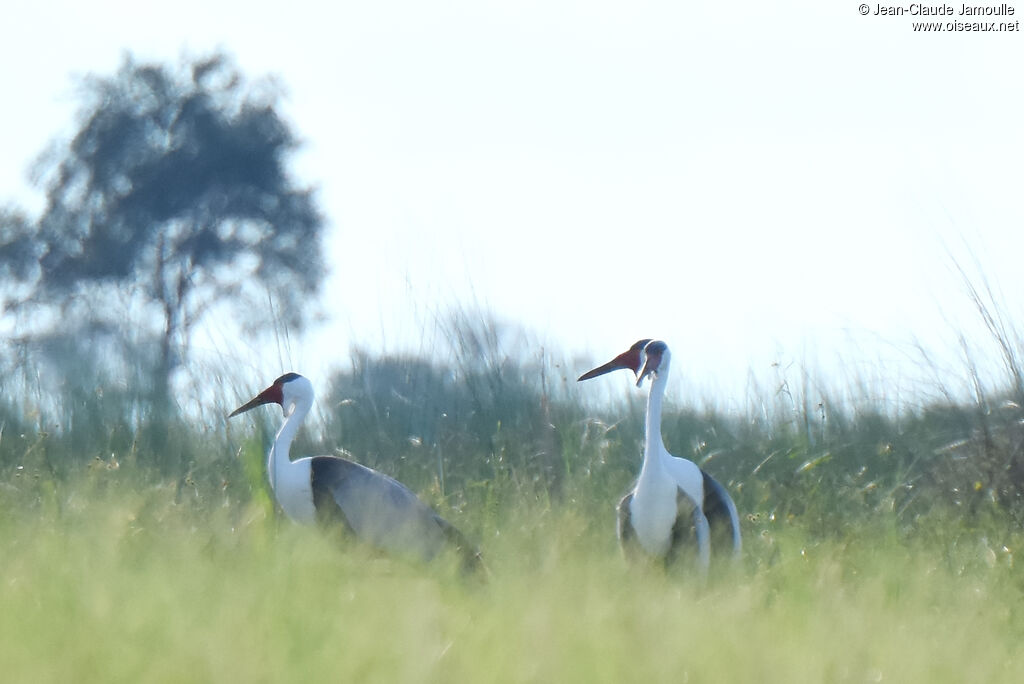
x: 754, y: 183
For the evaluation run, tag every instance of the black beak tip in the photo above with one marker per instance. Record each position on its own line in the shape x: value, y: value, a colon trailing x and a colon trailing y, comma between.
x: 592, y: 374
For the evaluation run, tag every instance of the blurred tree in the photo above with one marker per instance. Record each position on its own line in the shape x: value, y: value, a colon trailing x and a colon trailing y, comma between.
x: 175, y: 191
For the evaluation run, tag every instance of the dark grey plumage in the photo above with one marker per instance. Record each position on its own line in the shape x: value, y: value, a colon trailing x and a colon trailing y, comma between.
x: 383, y: 512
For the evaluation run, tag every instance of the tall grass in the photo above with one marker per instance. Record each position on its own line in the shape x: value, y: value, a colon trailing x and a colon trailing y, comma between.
x: 127, y: 584
x: 878, y: 545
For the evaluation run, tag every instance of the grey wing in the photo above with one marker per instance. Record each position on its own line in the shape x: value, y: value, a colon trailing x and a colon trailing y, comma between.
x: 328, y: 475
x: 382, y: 511
x: 472, y: 559
x: 376, y: 508
x: 719, y: 508
x: 690, y: 518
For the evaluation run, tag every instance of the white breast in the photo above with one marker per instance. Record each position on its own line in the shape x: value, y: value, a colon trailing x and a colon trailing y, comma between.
x: 293, y: 489
x: 653, y: 511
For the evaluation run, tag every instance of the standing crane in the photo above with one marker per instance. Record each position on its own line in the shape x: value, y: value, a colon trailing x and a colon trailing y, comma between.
x: 368, y: 504
x: 671, y: 494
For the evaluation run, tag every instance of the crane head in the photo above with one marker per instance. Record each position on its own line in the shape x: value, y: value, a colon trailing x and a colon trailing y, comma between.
x: 656, y: 357
x: 272, y: 395
x: 632, y: 358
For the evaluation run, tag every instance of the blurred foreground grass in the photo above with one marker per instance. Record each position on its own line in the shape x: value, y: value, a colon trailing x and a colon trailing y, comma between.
x: 125, y: 583
x: 879, y: 544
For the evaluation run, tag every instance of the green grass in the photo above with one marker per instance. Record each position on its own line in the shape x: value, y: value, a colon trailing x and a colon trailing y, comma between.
x: 120, y: 582
x: 878, y: 545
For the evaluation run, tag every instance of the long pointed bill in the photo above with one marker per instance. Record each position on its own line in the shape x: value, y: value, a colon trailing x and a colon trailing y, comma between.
x: 628, y: 359
x: 264, y: 397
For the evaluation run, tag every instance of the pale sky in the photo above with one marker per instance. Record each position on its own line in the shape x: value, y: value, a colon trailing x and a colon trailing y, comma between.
x: 749, y: 181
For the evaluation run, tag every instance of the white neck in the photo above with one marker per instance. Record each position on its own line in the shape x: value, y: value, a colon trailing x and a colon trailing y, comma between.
x: 278, y: 459
x: 654, y: 447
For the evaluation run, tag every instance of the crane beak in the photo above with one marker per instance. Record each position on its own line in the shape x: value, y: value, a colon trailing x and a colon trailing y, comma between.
x: 629, y: 359
x: 267, y: 396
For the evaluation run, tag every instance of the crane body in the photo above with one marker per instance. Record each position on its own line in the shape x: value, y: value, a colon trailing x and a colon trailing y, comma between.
x: 671, y: 494
x: 329, y: 490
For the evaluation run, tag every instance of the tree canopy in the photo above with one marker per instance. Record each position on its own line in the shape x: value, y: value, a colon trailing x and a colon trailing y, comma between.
x: 176, y: 188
